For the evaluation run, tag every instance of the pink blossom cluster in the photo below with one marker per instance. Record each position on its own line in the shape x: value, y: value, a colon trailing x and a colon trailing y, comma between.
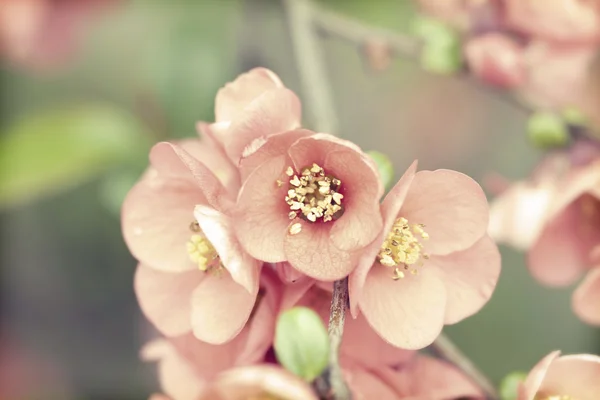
x: 541, y: 49
x: 259, y: 215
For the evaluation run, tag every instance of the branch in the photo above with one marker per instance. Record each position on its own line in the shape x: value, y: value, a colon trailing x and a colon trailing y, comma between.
x: 337, y: 316
x: 448, y: 351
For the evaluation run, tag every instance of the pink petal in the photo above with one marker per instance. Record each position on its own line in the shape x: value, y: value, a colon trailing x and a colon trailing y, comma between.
x: 295, y: 291
x: 367, y: 386
x: 577, y: 376
x: 274, y: 146
x: 389, y: 209
x: 220, y: 309
x: 273, y: 112
x: 261, y: 214
x: 409, y: 312
x: 236, y: 95
x: 557, y: 257
x: 166, y: 298
x: 315, y: 148
x: 287, y: 273
x: 313, y: 253
x: 530, y: 387
x: 470, y: 277
x: 172, y: 160
x: 156, y: 217
x: 431, y: 379
x: 586, y: 299
x: 218, y: 230
x: 361, y: 221
x: 452, y: 206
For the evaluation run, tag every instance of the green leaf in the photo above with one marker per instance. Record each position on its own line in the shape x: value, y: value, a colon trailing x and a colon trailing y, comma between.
x: 547, y: 130
x: 574, y: 116
x: 509, y: 387
x: 46, y: 153
x: 441, y: 52
x: 385, y: 167
x: 301, y: 342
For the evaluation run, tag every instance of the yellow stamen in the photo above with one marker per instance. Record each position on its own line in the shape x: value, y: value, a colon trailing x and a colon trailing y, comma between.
x: 202, y: 252
x: 313, y: 195
x: 403, y: 248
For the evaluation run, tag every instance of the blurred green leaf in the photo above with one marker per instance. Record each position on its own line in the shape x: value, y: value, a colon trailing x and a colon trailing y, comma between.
x: 509, y: 387
x: 574, y: 116
x: 301, y: 342
x: 547, y: 130
x: 385, y: 167
x: 441, y: 52
x: 46, y: 153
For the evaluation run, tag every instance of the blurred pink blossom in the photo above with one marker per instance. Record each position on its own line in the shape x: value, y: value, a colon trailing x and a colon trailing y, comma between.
x: 311, y: 200
x: 496, y: 59
x: 566, y: 377
x: 563, y: 21
x: 433, y: 263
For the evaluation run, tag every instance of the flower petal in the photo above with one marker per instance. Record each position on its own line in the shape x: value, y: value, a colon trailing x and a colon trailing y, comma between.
x: 315, y: 148
x: 586, y: 299
x: 218, y: 230
x: 573, y: 375
x: 557, y: 257
x: 275, y: 111
x: 312, y: 252
x: 220, y: 309
x: 409, y: 312
x: 389, y: 210
x: 470, y: 277
x: 529, y: 388
x: 260, y: 217
x: 236, y: 95
x: 367, y: 386
x: 452, y: 206
x: 165, y: 298
x: 361, y: 222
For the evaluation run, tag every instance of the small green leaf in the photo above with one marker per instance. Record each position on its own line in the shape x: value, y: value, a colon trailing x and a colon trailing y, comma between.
x: 441, y: 52
x: 385, y: 167
x: 574, y: 116
x: 547, y: 130
x: 46, y: 153
x: 301, y: 342
x: 509, y: 387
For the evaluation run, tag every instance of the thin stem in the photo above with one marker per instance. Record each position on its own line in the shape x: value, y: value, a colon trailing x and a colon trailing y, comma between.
x: 447, y: 350
x: 337, y: 316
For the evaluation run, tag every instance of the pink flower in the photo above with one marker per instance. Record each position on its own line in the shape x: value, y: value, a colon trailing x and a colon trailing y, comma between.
x: 567, y: 21
x: 496, y: 59
x: 255, y: 105
x: 433, y: 263
x: 586, y: 299
x: 176, y: 223
x: 309, y: 199
x: 566, y: 377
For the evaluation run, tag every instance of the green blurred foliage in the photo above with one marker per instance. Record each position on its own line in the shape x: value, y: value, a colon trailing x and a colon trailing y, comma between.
x: 547, y: 130
x: 509, y: 387
x: 385, y: 168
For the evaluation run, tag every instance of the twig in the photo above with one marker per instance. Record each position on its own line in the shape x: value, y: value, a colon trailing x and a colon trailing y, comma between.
x: 447, y: 350
x: 311, y: 65
x: 337, y: 316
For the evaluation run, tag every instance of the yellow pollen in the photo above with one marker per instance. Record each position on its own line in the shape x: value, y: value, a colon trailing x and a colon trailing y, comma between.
x: 402, y: 250
x: 202, y: 252
x: 313, y: 195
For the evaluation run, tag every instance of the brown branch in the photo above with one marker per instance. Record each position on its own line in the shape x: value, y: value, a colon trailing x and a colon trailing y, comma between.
x: 337, y: 316
x: 445, y: 349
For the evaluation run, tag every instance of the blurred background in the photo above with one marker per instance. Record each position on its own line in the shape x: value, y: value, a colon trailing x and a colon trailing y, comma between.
x: 88, y: 85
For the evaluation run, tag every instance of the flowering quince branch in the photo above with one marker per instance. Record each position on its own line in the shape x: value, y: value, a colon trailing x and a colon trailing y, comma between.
x: 337, y: 315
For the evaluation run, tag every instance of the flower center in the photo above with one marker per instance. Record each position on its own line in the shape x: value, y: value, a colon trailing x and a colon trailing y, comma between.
x: 402, y: 250
x: 202, y: 252
x: 314, y: 195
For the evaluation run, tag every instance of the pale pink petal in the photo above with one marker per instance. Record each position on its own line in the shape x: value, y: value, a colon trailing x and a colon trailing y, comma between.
x: 295, y: 291
x: 470, y: 277
x: 219, y: 231
x: 274, y: 146
x: 236, y: 95
x: 220, y: 308
x: 313, y: 253
x: 215, y: 132
x: 158, y: 396
x: 577, y: 183
x: 287, y: 273
x: 389, y: 209
x: 178, y: 379
x: 261, y: 214
x: 452, y: 206
x: 261, y: 330
x: 577, y: 376
x: 361, y: 222
x: 315, y: 148
x: 367, y: 386
x: 530, y: 387
x: 274, y: 111
x: 247, y: 382
x: 409, y: 312
x: 172, y: 160
x: 166, y: 298
x: 586, y: 299
x: 557, y: 258
x: 156, y: 218
x: 426, y: 378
